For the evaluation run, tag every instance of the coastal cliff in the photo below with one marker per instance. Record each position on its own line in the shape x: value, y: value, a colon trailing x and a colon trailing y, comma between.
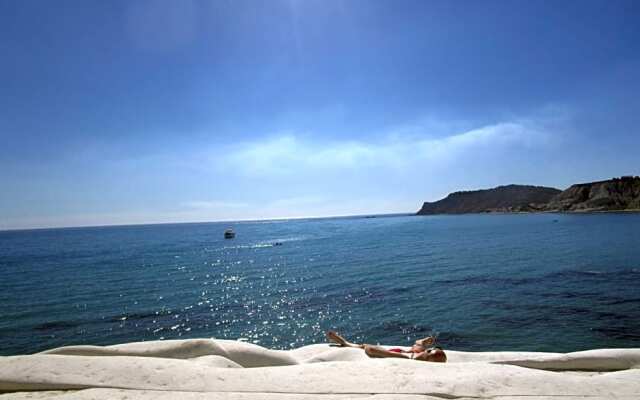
x: 510, y: 198
x: 617, y: 194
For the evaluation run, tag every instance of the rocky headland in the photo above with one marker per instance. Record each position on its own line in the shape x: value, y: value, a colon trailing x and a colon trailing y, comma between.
x: 510, y: 198
x: 617, y: 194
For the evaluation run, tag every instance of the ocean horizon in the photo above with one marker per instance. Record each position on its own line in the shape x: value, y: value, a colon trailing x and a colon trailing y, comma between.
x: 222, y: 221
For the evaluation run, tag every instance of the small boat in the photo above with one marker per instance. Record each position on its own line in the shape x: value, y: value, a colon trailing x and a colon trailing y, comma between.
x: 229, y: 234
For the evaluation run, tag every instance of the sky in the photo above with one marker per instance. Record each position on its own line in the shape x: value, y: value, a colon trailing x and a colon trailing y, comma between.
x: 154, y: 111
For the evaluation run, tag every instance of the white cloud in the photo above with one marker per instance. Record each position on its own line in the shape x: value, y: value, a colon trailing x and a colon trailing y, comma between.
x: 288, y: 154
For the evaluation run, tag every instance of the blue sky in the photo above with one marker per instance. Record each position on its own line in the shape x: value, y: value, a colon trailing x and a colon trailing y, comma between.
x: 167, y: 111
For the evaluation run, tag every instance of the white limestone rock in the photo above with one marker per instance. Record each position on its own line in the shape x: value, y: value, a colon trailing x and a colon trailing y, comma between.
x: 216, y: 369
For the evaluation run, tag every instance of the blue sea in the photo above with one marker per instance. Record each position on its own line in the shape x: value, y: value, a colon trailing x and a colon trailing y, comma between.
x: 539, y: 282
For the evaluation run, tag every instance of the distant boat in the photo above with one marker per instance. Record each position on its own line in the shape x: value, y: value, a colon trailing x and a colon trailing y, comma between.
x: 229, y: 234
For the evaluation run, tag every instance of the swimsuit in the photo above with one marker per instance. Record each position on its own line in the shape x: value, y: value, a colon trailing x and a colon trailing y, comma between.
x: 412, y: 353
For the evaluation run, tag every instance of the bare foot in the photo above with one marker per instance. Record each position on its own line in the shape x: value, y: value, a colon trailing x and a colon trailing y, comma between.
x: 334, y: 337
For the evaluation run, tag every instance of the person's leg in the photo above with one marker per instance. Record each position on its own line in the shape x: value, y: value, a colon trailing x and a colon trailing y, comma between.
x: 379, y: 352
x: 334, y: 337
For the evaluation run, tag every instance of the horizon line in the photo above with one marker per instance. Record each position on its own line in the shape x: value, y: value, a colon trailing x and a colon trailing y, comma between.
x: 207, y: 222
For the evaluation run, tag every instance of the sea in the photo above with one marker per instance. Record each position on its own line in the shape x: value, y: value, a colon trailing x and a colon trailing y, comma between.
x: 485, y: 282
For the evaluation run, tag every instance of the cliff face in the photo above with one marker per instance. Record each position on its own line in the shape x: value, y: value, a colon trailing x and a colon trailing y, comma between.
x: 510, y: 198
x: 612, y: 195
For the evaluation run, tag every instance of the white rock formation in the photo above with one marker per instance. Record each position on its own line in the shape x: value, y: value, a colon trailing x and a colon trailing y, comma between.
x: 222, y: 369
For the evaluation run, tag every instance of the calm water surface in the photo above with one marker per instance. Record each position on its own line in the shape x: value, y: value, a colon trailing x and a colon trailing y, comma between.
x: 495, y: 282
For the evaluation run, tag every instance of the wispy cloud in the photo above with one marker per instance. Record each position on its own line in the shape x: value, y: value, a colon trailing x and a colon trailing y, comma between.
x: 290, y: 153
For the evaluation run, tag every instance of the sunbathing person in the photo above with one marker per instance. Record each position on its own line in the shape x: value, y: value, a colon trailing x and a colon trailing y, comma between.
x: 419, y: 351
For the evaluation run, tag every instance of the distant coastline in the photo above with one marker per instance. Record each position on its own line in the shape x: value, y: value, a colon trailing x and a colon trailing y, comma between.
x: 613, y: 195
